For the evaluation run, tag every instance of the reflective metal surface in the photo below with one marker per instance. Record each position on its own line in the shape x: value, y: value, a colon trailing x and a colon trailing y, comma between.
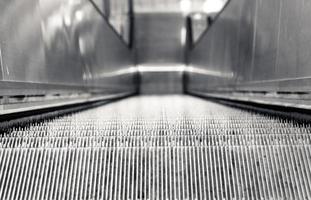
x: 67, y: 43
x: 263, y: 45
x: 176, y: 6
x: 118, y: 13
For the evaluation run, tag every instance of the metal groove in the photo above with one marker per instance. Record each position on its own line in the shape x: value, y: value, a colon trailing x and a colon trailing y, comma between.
x: 185, y: 148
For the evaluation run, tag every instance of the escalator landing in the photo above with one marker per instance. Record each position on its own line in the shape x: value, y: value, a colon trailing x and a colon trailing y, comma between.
x: 158, y: 147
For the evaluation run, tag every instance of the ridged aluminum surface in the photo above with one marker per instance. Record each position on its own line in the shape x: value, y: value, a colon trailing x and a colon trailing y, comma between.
x: 169, y: 147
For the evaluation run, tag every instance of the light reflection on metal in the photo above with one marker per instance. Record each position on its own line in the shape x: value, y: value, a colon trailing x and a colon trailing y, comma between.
x: 67, y: 19
x: 170, y: 6
x: 185, y: 6
x: 183, y: 35
x: 121, y: 72
x: 183, y: 68
x: 4, y: 69
x: 197, y: 16
x: 79, y: 16
x: 162, y: 68
x: 213, y: 6
x: 1, y: 61
x: 209, y: 72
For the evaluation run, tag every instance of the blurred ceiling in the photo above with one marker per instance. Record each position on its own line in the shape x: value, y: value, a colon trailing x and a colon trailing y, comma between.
x: 178, y: 6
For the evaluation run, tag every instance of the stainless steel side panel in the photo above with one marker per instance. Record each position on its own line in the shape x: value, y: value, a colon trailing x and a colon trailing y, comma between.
x: 290, y: 29
x: 61, y: 42
x: 255, y: 46
x: 21, y: 41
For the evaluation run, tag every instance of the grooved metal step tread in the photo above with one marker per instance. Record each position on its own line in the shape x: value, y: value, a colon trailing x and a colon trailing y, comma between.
x: 158, y: 147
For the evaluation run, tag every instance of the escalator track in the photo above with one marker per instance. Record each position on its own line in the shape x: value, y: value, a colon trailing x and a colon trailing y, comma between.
x: 157, y: 147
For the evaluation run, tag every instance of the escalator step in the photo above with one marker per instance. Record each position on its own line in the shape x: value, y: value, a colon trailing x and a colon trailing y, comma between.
x: 168, y: 147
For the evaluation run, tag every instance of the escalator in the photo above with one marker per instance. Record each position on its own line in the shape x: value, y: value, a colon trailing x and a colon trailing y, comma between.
x: 145, y: 99
x: 158, y: 147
